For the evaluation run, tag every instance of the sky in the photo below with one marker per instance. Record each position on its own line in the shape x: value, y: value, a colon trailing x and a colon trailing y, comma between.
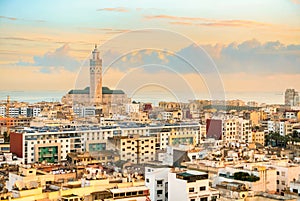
x: 247, y: 46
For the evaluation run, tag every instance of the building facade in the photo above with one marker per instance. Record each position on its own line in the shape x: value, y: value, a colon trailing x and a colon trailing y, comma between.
x: 291, y: 97
x: 28, y: 143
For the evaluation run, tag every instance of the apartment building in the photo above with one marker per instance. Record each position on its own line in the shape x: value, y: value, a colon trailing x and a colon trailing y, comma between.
x: 230, y: 130
x: 286, y: 173
x: 84, y: 111
x: 136, y: 149
x: 295, y: 186
x: 55, y: 143
x: 156, y: 179
x: 258, y: 137
x: 190, y: 185
x: 256, y: 177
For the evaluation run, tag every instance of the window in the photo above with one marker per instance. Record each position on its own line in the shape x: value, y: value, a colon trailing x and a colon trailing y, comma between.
x: 283, y: 174
x: 214, y: 198
x: 159, y: 182
x: 282, y: 182
x: 277, y: 181
x: 278, y: 173
x: 202, y: 188
x: 147, y: 180
x: 204, y: 199
x: 191, y: 189
x: 193, y: 199
x: 159, y: 192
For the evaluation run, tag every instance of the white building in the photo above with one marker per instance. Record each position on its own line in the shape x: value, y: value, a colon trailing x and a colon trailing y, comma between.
x: 190, y: 185
x: 156, y: 179
x: 295, y: 186
x: 2, y: 111
x: 244, y: 129
x: 286, y: 173
x: 36, y: 111
x: 291, y: 114
x: 84, y: 111
x: 132, y: 108
x: 14, y: 112
x: 167, y: 115
x: 271, y: 126
x: 23, y: 111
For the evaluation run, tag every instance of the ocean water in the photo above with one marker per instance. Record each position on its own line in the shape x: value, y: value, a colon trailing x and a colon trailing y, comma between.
x: 150, y: 96
x: 33, y: 96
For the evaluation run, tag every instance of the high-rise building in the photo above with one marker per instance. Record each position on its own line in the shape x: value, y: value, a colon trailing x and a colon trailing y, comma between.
x: 96, y: 77
x: 291, y: 97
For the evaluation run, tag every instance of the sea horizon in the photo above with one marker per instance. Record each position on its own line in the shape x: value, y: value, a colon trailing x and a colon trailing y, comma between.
x: 154, y: 97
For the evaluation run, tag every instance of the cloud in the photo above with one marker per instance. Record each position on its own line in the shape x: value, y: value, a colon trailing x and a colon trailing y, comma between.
x: 51, y: 61
x: 118, y: 9
x: 108, y: 30
x: 295, y: 1
x: 9, y: 18
x: 14, y: 19
x: 250, y: 56
x: 254, y: 57
x: 17, y: 38
x: 172, y: 17
x: 200, y: 21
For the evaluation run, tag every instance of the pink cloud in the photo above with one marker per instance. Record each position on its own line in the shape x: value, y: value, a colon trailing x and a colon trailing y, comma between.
x: 118, y: 9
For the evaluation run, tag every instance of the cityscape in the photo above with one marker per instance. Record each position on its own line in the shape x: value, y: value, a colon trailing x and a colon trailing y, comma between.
x: 150, y: 101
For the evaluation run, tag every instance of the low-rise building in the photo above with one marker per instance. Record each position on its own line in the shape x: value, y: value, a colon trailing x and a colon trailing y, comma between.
x: 190, y: 185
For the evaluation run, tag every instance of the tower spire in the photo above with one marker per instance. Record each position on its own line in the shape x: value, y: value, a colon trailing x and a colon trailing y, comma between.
x: 96, y: 77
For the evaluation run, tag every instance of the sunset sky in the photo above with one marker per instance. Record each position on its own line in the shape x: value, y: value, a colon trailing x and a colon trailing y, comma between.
x: 255, y: 44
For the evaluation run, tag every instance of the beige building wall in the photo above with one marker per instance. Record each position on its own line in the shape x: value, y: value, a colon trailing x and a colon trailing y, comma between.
x: 258, y: 137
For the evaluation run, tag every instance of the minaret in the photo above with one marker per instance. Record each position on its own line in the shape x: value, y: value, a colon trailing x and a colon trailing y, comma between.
x: 96, y: 78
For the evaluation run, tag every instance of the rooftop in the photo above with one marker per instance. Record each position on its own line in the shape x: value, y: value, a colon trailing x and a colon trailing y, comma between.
x: 105, y: 90
x: 129, y: 189
x: 192, y: 175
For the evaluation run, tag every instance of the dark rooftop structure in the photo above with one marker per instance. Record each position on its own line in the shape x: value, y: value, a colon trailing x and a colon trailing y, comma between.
x: 105, y: 90
x: 192, y: 176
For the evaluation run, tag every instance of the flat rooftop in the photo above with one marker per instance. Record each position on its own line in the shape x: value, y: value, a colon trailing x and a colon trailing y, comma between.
x: 129, y: 189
